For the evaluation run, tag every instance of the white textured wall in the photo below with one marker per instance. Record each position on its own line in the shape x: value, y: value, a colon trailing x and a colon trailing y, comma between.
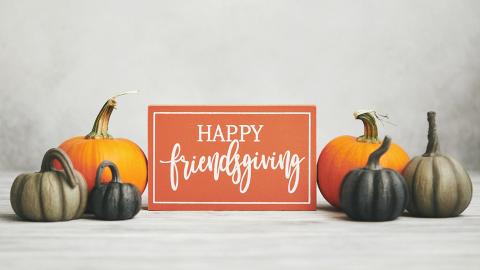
x: 60, y: 61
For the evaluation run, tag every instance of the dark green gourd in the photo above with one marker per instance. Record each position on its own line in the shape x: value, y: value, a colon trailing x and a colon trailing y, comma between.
x: 438, y: 185
x: 114, y: 200
x: 373, y: 193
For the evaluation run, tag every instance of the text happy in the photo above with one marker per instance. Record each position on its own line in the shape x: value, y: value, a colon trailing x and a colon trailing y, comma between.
x: 228, y: 133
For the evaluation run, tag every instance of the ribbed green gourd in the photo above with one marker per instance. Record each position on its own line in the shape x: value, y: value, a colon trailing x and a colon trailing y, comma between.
x: 50, y: 195
x: 438, y: 185
x: 374, y: 193
x: 114, y: 200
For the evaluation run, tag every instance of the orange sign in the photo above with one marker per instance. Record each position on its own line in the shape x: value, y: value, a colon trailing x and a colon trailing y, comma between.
x: 231, y: 158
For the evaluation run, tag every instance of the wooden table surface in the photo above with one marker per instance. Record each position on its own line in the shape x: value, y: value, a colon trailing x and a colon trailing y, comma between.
x: 323, y: 239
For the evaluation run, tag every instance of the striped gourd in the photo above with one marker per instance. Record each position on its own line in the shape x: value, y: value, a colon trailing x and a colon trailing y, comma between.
x: 438, y: 185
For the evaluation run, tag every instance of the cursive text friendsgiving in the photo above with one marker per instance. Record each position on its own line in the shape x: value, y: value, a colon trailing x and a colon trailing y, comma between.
x: 231, y: 163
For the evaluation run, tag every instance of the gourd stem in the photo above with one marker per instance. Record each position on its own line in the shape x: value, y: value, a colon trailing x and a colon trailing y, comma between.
x: 100, y: 126
x: 58, y: 154
x: 433, y: 147
x: 370, y: 133
x: 374, y: 158
x: 113, y: 169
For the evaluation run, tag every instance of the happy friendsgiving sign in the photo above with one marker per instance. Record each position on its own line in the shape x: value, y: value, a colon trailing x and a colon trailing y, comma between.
x: 231, y: 158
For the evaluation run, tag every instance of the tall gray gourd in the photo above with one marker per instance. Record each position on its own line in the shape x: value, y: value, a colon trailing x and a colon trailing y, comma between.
x: 50, y: 195
x: 438, y: 185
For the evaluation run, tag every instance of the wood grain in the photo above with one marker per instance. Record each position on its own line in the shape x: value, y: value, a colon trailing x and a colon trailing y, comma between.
x: 323, y: 239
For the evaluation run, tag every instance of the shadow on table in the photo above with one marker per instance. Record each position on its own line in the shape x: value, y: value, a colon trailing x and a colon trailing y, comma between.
x: 10, y: 217
x: 328, y: 208
x: 332, y: 212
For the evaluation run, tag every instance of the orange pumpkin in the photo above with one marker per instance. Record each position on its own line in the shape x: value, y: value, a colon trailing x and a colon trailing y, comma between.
x: 87, y: 152
x: 346, y: 153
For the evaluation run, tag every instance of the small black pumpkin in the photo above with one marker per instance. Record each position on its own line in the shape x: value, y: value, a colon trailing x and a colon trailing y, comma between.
x: 373, y: 193
x: 114, y: 200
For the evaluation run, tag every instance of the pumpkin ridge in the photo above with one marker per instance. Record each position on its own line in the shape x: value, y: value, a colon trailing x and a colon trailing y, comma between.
x: 99, y: 193
x: 112, y: 188
x: 104, y: 199
x: 377, y: 177
x: 138, y: 200
x: 90, y: 148
x: 18, y: 198
x: 325, y: 190
x: 62, y: 195
x: 435, y: 182
x: 48, y: 183
x: 135, y: 147
x: 405, y: 189
x: 342, y: 192
x: 367, y: 179
x: 414, y: 188
x: 321, y: 177
x: 120, y: 204
x: 465, y: 180
x: 108, y: 190
x: 372, y: 184
x: 81, y: 199
x: 328, y: 176
x: 83, y: 202
x: 391, y: 198
x: 40, y: 195
x: 382, y: 179
x: 356, y: 195
x: 346, y: 151
x: 455, y: 172
x: 393, y: 195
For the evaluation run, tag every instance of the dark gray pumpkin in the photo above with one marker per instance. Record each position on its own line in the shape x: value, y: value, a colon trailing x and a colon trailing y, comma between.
x: 373, y: 193
x: 50, y: 195
x: 114, y: 200
x: 438, y: 185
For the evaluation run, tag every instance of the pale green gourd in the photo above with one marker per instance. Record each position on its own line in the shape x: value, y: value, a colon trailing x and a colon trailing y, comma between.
x: 438, y: 185
x: 50, y: 195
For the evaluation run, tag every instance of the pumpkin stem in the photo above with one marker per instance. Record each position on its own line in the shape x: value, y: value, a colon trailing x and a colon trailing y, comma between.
x: 433, y: 147
x: 374, y: 158
x: 370, y: 133
x: 61, y: 156
x: 113, y: 169
x: 100, y: 127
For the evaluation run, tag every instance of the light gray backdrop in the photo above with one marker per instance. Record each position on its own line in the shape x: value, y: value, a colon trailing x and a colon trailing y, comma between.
x: 60, y: 61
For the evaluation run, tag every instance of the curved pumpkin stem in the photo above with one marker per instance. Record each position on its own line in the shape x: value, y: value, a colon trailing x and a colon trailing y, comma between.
x: 433, y: 147
x: 100, y: 127
x: 374, y: 158
x: 370, y: 133
x: 58, y: 154
x: 113, y: 169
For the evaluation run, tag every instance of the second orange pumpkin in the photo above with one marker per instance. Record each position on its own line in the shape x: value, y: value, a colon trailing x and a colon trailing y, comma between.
x: 346, y: 153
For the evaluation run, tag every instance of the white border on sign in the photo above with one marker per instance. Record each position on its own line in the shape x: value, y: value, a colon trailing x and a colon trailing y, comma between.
x: 279, y: 113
